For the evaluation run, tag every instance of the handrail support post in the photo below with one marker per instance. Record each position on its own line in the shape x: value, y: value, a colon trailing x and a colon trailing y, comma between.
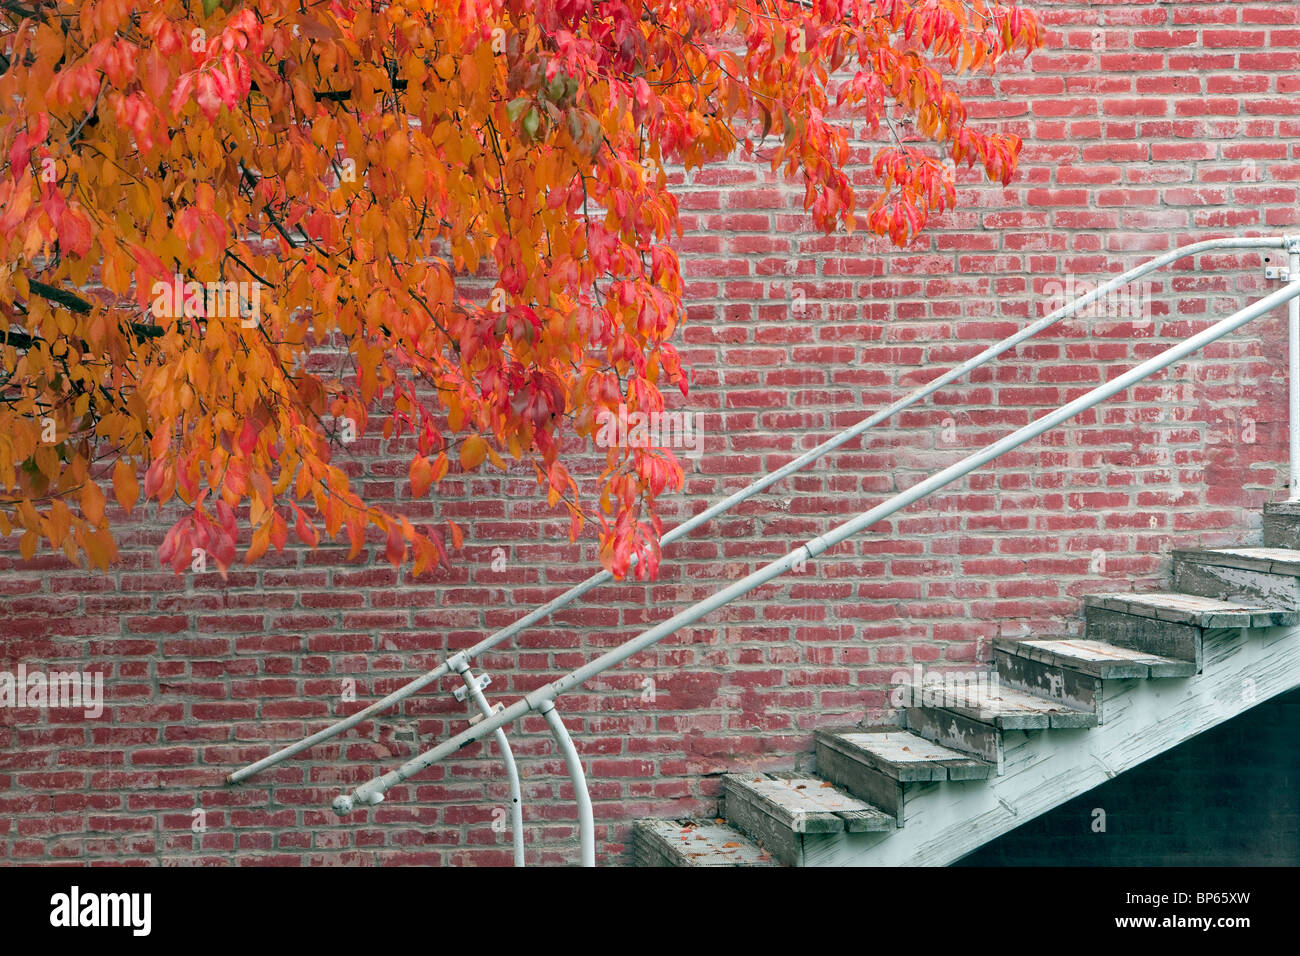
x: 586, y: 820
x: 459, y: 663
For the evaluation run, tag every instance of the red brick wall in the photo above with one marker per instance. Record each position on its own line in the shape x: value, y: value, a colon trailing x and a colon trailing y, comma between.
x: 1147, y: 125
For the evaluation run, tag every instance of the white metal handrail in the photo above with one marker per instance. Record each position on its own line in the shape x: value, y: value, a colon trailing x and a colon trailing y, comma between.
x: 542, y: 700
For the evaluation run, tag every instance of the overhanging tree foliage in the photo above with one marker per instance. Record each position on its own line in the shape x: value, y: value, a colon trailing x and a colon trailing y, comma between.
x: 197, y: 196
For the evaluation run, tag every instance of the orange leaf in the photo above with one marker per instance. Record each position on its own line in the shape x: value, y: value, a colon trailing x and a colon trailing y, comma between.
x: 92, y: 502
x: 440, y: 465
x: 279, y: 531
x: 101, y: 548
x: 261, y: 539
x: 473, y: 452
x: 421, y: 476
x: 307, y: 532
x: 125, y: 486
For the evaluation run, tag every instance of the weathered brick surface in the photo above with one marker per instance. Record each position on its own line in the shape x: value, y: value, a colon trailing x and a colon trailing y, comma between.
x: 1147, y: 125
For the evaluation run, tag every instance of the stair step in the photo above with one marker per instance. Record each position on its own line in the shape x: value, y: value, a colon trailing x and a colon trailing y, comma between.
x: 809, y: 804
x: 779, y: 809
x: 1265, y: 576
x: 904, y: 756
x: 1268, y: 560
x: 1007, y: 708
x: 1193, y: 609
x: 694, y: 843
x: 1096, y: 658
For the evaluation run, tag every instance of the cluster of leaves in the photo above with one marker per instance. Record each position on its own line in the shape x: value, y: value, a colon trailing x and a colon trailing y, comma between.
x: 353, y: 161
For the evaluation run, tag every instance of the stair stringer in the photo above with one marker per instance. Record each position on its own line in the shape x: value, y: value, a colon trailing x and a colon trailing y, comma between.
x: 942, y: 822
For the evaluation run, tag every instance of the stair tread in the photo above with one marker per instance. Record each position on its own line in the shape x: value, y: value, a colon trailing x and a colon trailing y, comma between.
x: 809, y: 804
x: 1193, y: 609
x: 705, y: 843
x: 1012, y: 709
x: 1271, y: 560
x: 906, y: 756
x: 1097, y: 658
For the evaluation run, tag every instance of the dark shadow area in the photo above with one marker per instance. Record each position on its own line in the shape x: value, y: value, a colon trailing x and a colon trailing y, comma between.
x: 1228, y: 797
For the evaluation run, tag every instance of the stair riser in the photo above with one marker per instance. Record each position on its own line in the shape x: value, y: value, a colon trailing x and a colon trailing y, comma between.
x: 1207, y: 580
x: 1281, y: 531
x: 958, y: 732
x: 863, y: 782
x: 647, y: 854
x: 1061, y: 684
x: 776, y: 836
x: 1165, y: 638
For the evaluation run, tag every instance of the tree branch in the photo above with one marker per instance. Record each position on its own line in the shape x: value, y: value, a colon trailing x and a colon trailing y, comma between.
x: 74, y: 303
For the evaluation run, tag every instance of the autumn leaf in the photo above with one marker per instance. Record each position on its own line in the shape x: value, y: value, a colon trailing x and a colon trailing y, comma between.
x: 75, y: 231
x: 92, y: 502
x: 472, y: 452
x: 304, y: 528
x: 125, y: 486
x: 395, y: 547
x: 421, y: 475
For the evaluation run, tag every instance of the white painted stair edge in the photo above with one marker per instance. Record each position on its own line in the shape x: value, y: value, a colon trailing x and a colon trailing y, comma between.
x: 945, y: 821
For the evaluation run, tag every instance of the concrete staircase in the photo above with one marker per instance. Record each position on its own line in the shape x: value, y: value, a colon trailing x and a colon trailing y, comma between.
x: 980, y: 753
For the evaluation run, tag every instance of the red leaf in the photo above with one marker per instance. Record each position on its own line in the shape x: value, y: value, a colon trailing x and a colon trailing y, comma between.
x: 75, y: 232
x: 396, y: 547
x: 153, y: 478
x: 307, y: 532
x: 279, y: 532
x: 209, y: 95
